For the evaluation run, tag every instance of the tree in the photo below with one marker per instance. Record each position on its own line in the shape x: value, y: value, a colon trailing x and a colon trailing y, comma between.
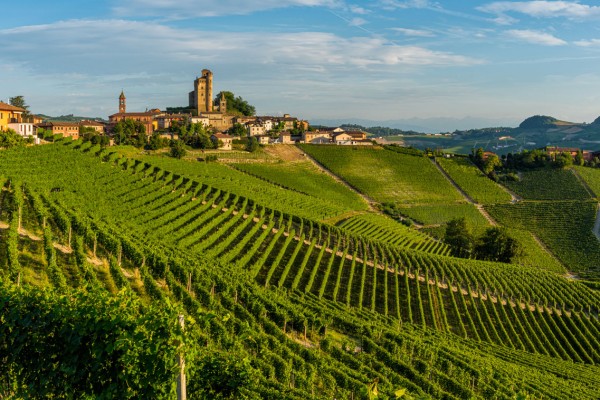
x: 236, y: 105
x: 157, y: 142
x: 238, y: 130
x: 19, y: 101
x: 459, y: 238
x: 579, y: 160
x: 496, y: 245
x: 177, y: 149
x: 564, y: 159
x: 10, y: 138
x: 491, y: 163
x: 252, y: 144
x: 129, y: 131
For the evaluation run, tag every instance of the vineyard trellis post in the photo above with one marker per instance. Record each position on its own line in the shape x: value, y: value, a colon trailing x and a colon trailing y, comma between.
x: 181, y: 384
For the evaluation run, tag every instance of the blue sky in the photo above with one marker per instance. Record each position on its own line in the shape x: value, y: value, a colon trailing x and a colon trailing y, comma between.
x: 380, y: 60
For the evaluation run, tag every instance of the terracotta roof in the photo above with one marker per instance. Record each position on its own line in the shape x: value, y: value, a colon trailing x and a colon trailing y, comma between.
x: 222, y: 136
x: 8, y: 107
x: 134, y: 114
x: 59, y: 123
x: 90, y: 123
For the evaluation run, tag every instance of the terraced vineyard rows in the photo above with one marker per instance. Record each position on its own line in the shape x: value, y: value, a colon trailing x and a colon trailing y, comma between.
x: 378, y: 227
x: 579, y: 249
x: 478, y: 186
x: 400, y: 312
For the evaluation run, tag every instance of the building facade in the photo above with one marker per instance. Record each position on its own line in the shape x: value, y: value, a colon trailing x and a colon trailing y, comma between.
x: 10, y: 114
x: 201, y: 98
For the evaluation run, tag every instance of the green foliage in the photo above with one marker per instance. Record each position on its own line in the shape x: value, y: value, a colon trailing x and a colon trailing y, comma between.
x: 496, y: 245
x: 9, y: 138
x: 177, y: 149
x: 538, y: 122
x: 19, y: 101
x: 222, y: 375
x: 238, y: 130
x: 235, y: 105
x: 129, y: 131
x: 252, y: 144
x: 459, y: 238
x: 89, y: 343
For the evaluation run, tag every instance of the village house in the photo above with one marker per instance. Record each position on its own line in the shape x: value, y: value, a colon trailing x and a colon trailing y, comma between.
x: 256, y: 129
x: 225, y: 141
x: 10, y: 114
x: 316, y: 137
x: 95, y: 125
x: 164, y: 121
x: 285, y: 137
x: 263, y: 139
x: 66, y: 129
x: 205, y: 121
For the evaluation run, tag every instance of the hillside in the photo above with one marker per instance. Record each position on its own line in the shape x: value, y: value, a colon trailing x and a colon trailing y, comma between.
x: 534, y: 132
x: 290, y: 290
x: 68, y: 118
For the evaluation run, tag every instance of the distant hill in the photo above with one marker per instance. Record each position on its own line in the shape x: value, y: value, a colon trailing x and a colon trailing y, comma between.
x: 69, y: 118
x: 538, y: 121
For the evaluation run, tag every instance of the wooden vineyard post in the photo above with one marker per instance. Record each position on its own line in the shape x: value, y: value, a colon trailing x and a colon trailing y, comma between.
x: 181, y: 384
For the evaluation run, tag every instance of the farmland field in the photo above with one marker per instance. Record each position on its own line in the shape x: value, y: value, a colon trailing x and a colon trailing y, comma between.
x: 277, y: 303
x: 387, y: 176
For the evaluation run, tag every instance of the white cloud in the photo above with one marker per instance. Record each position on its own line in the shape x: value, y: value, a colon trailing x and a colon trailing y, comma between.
x: 210, y: 8
x: 540, y: 9
x: 407, y: 4
x: 359, y: 10
x: 414, y: 32
x: 357, y: 22
x: 109, y: 46
x: 588, y: 43
x: 536, y: 37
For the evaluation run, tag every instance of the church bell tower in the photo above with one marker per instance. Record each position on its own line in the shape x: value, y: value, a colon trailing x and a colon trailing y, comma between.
x: 122, y: 106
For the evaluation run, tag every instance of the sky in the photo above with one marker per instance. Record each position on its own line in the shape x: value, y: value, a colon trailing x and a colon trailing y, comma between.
x: 381, y: 60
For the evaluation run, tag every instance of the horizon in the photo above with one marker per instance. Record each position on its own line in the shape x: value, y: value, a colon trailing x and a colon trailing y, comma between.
x: 380, y: 61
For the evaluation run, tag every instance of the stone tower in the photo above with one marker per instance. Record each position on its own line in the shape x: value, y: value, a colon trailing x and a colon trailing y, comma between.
x: 122, y: 106
x: 223, y: 104
x: 201, y: 99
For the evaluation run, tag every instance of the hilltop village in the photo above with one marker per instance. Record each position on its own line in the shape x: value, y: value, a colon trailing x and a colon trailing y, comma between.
x: 212, y: 114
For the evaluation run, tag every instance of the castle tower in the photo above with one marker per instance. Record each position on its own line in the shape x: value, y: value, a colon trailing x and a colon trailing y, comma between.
x: 122, y: 105
x: 201, y: 99
x: 223, y: 104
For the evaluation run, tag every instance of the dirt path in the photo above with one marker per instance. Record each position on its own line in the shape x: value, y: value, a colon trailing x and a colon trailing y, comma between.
x: 596, y: 228
x: 336, y: 178
x: 583, y: 183
x: 514, y: 198
x: 545, y: 248
x: 286, y: 152
x: 479, y: 207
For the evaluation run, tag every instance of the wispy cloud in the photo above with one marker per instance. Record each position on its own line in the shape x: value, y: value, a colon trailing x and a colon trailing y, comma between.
x: 588, y: 43
x: 414, y: 32
x: 540, y: 9
x: 82, y: 45
x: 535, y: 37
x: 210, y: 8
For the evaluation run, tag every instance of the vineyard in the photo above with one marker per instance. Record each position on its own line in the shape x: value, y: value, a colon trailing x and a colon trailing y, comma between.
x: 278, y: 303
